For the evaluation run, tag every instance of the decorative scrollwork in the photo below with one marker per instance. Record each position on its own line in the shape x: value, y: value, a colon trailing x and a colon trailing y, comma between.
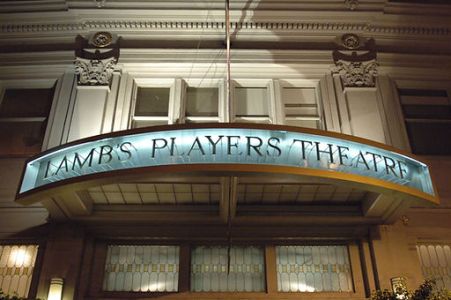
x: 94, y: 71
x: 356, y: 73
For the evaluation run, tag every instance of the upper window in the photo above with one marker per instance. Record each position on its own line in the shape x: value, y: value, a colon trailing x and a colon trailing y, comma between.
x: 172, y: 101
x: 175, y: 101
x: 427, y: 115
x: 23, y: 120
x: 252, y: 105
x: 16, y: 268
x: 300, y: 107
x: 151, y: 107
x: 201, y: 105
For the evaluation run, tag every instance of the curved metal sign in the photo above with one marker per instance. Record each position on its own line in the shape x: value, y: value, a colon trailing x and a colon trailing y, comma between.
x: 228, y: 144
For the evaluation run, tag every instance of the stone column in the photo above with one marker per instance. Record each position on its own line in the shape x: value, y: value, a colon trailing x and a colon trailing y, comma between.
x: 92, y: 94
x: 358, y: 99
x: 62, y: 259
x: 91, y: 113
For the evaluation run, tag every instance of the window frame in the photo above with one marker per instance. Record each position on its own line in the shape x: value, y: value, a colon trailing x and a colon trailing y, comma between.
x: 226, y: 111
x: 253, y: 83
x: 416, y: 85
x: 201, y: 83
x: 276, y: 112
x: 152, y: 83
x: 32, y: 84
x: 177, y: 99
x: 279, y: 85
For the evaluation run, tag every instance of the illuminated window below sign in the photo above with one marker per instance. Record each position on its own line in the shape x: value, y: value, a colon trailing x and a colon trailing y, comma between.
x: 209, y: 269
x: 313, y: 269
x: 16, y: 268
x: 142, y: 268
x: 435, y: 263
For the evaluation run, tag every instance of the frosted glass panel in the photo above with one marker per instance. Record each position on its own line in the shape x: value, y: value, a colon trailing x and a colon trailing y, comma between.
x: 313, y: 269
x: 436, y: 263
x: 134, y: 268
x: 16, y: 268
x: 209, y: 269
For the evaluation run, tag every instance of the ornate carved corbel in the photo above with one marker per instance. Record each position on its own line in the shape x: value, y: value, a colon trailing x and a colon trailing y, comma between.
x: 356, y: 73
x: 355, y: 62
x: 94, y: 71
x: 96, y: 59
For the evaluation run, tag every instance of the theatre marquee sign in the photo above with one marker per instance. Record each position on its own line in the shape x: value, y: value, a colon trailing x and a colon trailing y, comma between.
x: 227, y: 145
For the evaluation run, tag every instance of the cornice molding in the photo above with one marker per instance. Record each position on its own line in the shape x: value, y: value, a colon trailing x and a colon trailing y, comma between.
x: 144, y: 26
x: 49, y: 5
x: 388, y: 62
x: 305, y: 5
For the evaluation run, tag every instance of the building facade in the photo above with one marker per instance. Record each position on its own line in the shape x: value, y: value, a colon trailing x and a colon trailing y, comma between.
x: 131, y: 167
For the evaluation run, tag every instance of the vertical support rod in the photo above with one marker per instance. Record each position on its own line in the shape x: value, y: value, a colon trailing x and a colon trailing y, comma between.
x: 228, y: 83
x: 229, y: 217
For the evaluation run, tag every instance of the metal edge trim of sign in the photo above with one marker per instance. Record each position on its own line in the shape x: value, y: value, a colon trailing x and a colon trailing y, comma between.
x: 241, y: 167
x: 29, y: 196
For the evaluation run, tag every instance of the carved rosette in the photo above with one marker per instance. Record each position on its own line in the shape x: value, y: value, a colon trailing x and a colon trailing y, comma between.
x: 94, y: 71
x: 100, y: 3
x: 352, y: 4
x: 101, y: 39
x: 350, y: 41
x: 356, y: 73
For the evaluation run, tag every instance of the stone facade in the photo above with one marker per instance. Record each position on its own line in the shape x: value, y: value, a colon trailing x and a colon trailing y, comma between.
x: 323, y: 47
